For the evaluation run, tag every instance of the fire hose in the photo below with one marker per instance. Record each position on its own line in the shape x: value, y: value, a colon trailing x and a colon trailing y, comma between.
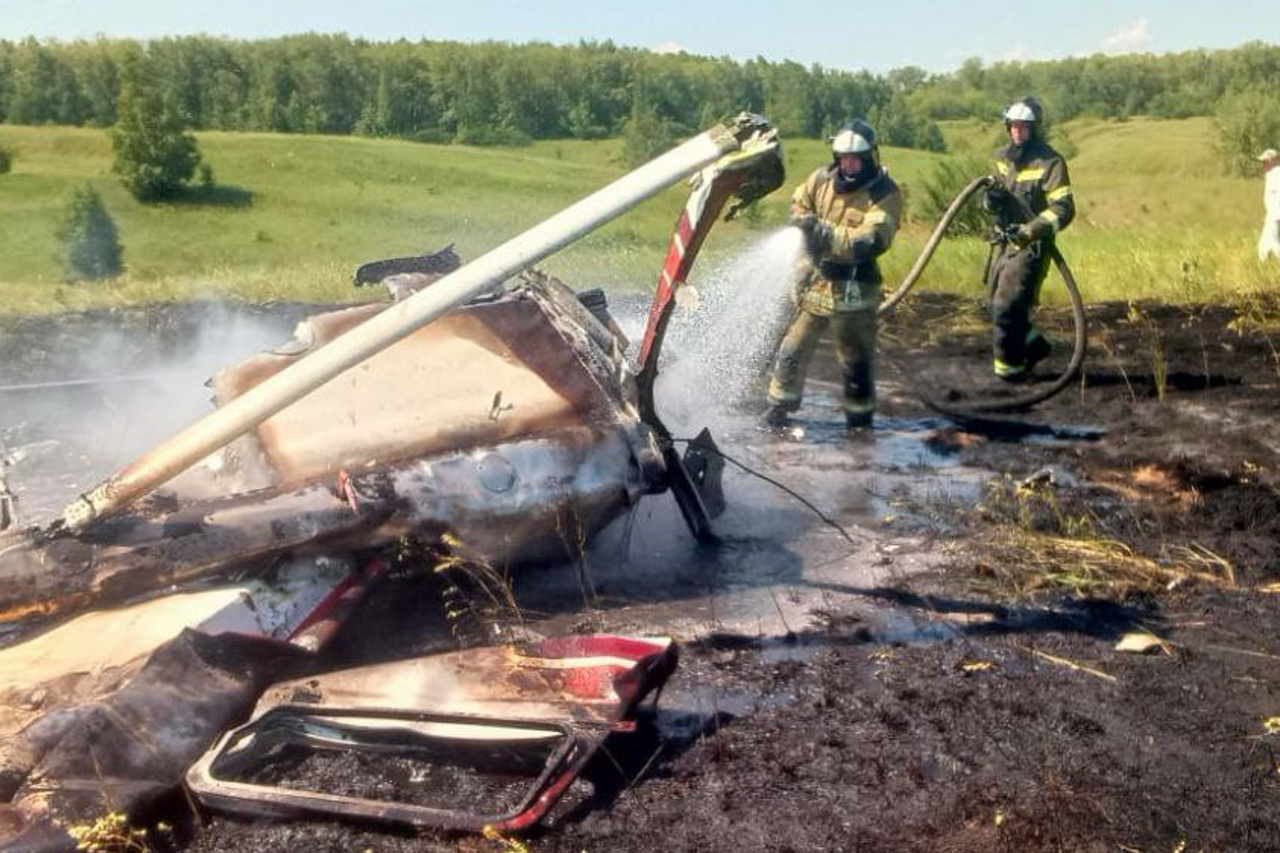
x: 978, y: 408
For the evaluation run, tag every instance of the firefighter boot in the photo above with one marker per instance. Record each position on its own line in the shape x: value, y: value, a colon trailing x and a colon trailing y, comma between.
x: 1038, y: 348
x: 858, y: 420
x: 775, y: 417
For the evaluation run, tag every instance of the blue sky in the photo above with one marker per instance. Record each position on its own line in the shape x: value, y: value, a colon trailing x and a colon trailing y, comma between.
x: 937, y: 36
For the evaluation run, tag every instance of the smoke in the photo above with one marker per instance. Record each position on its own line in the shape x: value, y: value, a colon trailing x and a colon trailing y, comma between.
x: 717, y: 354
x: 130, y: 382
x: 174, y: 394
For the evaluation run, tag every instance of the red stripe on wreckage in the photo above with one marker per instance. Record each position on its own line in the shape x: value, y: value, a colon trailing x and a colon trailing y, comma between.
x: 673, y: 273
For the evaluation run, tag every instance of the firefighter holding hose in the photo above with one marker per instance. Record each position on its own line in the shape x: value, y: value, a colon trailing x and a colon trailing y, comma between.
x: 849, y: 212
x: 1030, y: 196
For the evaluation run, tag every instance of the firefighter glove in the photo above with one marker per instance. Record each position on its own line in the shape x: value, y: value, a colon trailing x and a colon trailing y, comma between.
x: 995, y: 198
x: 820, y: 237
x: 863, y: 249
x: 803, y: 221
x: 1022, y: 236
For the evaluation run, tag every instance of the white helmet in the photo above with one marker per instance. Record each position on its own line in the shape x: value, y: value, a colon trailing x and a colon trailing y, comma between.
x: 856, y: 137
x: 1027, y: 109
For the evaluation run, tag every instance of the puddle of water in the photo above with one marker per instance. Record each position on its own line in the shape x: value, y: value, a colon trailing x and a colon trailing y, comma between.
x: 893, y: 443
x: 900, y: 627
x: 1056, y: 434
x: 783, y: 651
x: 688, y: 711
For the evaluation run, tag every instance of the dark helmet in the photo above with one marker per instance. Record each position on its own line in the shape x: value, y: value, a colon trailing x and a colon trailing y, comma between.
x: 856, y: 137
x: 1026, y: 109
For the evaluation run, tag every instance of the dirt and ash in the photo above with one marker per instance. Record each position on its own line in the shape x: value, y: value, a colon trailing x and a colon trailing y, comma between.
x: 969, y: 696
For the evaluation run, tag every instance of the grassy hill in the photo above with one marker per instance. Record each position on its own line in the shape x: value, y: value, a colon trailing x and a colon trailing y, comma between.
x: 1158, y: 218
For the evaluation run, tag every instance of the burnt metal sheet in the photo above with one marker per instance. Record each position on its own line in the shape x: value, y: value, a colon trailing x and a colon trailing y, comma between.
x: 8, y: 501
x: 108, y: 711
x: 128, y: 749
x: 495, y: 734
x: 574, y: 479
x: 490, y: 372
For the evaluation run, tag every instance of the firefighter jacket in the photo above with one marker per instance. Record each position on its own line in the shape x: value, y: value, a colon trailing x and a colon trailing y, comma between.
x: 845, y: 275
x: 1037, y: 176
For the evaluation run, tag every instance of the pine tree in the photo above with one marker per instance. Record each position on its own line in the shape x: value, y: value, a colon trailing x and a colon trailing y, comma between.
x: 89, y: 237
x: 376, y: 120
x: 155, y: 157
x: 645, y: 135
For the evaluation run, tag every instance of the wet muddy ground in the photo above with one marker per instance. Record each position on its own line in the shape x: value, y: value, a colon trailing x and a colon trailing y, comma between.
x: 932, y: 667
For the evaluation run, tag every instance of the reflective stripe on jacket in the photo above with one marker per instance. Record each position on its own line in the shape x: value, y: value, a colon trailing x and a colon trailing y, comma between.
x: 1041, y: 180
x: 847, y: 276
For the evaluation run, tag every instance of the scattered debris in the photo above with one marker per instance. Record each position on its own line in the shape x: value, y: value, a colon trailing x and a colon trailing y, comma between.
x: 1142, y: 642
x: 495, y: 735
x: 8, y: 500
x: 1070, y: 664
x: 488, y: 405
x: 535, y: 420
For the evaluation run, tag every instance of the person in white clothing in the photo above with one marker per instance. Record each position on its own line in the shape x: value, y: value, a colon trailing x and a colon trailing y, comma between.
x: 1269, y: 242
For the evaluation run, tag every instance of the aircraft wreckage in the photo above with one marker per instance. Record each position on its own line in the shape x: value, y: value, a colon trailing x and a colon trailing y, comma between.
x: 493, y: 407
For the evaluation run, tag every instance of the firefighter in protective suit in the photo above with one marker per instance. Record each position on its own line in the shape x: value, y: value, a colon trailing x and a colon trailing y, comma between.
x: 1030, y: 196
x: 849, y: 212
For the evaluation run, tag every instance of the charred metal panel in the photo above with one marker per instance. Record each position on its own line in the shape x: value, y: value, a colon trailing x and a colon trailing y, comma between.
x: 516, y: 501
x: 488, y: 373
x: 576, y: 679
x: 8, y: 501
x: 468, y: 719
x: 124, y: 751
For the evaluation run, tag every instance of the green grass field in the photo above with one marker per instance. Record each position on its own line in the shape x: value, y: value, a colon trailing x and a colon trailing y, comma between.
x: 1158, y: 218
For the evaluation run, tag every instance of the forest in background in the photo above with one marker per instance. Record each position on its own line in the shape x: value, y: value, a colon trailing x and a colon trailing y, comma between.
x: 497, y: 93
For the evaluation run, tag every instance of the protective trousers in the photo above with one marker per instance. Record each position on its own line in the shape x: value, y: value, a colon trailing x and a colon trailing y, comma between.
x: 1016, y: 277
x: 855, y: 340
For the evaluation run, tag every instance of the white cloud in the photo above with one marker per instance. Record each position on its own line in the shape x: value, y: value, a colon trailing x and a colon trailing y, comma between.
x: 1131, y: 38
x: 668, y: 47
x: 1017, y: 53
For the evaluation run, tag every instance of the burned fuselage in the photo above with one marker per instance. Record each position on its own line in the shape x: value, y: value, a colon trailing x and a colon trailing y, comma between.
x: 504, y: 426
x: 510, y: 427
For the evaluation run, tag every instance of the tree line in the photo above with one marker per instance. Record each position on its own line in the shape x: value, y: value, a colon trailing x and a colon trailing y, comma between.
x: 497, y: 93
x: 1171, y: 85
x: 488, y: 93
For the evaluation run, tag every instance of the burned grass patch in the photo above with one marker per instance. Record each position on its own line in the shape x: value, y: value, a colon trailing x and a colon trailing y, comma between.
x: 1026, y: 539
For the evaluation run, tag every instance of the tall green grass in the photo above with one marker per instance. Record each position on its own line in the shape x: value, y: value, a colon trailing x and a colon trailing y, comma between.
x: 1157, y: 219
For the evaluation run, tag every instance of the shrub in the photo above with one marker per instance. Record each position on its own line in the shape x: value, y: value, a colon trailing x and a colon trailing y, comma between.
x: 645, y: 135
x: 432, y: 136
x: 901, y: 126
x: 1248, y: 122
x: 1063, y: 143
x: 485, y: 135
x: 944, y: 184
x: 6, y: 160
x: 89, y: 237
